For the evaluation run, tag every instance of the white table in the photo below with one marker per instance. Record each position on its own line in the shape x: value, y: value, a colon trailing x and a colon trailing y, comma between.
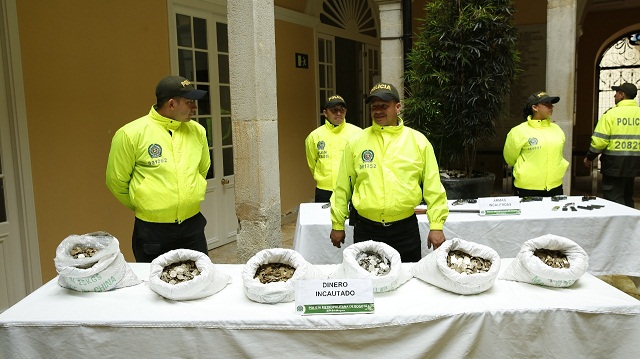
x: 511, y: 320
x: 610, y: 235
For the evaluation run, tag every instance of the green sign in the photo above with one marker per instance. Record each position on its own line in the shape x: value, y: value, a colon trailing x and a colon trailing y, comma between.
x: 335, y: 308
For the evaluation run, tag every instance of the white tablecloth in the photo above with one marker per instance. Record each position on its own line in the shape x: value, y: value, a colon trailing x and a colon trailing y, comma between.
x: 610, y: 235
x: 511, y: 320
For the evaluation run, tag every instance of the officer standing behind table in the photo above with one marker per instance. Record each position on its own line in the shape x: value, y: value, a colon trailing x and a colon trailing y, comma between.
x: 324, y: 146
x: 386, y: 172
x: 157, y: 167
x: 617, y: 140
x: 534, y: 149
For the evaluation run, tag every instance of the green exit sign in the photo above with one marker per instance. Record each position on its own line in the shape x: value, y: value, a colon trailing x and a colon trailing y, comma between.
x: 302, y: 61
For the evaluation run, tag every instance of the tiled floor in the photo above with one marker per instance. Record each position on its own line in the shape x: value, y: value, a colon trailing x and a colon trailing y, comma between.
x: 228, y: 252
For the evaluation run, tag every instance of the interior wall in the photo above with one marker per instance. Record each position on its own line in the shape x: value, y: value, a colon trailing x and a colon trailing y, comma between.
x: 297, y: 115
x: 89, y: 67
x: 295, y: 5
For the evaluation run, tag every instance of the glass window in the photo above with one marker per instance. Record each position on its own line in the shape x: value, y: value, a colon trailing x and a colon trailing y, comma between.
x: 227, y: 138
x: 202, y: 67
x: 222, y: 37
x: 225, y: 100
x: 227, y: 158
x: 204, y: 106
x: 223, y: 68
x: 206, y: 123
x: 183, y: 24
x: 199, y: 33
x: 185, y: 64
x: 195, y: 59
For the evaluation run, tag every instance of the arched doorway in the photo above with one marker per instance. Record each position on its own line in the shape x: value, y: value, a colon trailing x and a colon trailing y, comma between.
x: 618, y: 63
x: 348, y: 50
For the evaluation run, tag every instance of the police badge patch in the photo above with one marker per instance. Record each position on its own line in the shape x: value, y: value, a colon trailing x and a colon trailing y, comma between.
x: 154, y: 150
x: 367, y: 156
x: 320, y: 145
x: 533, y: 141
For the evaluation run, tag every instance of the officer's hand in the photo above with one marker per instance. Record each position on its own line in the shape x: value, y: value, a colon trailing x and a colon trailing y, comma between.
x: 337, y: 237
x: 587, y: 163
x: 435, y: 238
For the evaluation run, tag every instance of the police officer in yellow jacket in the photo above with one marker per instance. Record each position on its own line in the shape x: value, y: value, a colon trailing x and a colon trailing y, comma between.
x: 386, y: 172
x: 157, y: 167
x: 616, y: 139
x: 325, y: 144
x: 534, y: 149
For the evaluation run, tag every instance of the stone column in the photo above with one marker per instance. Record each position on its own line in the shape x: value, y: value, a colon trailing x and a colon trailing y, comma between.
x: 561, y: 70
x: 252, y: 66
x: 392, y: 55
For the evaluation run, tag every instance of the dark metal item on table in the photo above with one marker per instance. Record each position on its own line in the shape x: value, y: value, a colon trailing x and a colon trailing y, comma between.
x: 462, y: 200
x: 558, y: 198
x: 591, y: 207
x: 588, y: 198
x: 530, y: 199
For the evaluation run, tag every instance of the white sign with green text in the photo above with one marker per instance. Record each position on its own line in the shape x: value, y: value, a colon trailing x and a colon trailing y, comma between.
x: 334, y: 296
x: 497, y: 206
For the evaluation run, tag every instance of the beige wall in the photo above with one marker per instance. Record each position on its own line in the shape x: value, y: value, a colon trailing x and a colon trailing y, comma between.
x: 527, y: 12
x: 295, y: 5
x: 89, y: 67
x: 297, y: 115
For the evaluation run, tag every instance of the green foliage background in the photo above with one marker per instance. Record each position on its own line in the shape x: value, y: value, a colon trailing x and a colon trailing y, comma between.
x: 459, y: 76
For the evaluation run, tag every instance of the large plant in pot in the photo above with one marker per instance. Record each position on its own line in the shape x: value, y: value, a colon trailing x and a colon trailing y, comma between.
x: 457, y: 82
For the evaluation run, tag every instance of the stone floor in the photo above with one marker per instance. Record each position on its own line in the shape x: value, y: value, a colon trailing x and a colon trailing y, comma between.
x: 228, y: 252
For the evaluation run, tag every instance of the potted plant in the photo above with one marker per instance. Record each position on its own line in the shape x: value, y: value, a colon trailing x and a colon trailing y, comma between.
x: 457, y: 82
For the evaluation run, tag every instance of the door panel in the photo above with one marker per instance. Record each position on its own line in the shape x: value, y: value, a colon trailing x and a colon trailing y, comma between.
x: 201, y: 46
x: 12, y: 280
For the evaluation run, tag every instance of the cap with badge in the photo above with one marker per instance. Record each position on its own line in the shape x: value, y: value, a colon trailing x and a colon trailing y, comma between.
x: 628, y: 89
x: 541, y: 97
x: 384, y: 91
x: 172, y: 86
x: 335, y: 100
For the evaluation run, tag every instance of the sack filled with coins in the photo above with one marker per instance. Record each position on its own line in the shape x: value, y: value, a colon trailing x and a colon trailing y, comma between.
x: 459, y: 266
x: 92, y: 262
x: 270, y: 276
x: 185, y: 274
x: 548, y: 260
x: 376, y: 260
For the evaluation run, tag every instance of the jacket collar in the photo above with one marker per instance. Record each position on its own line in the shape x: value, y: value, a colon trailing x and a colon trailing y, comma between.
x: 334, y: 128
x: 165, y: 122
x: 627, y: 102
x: 538, y: 123
x: 389, y: 129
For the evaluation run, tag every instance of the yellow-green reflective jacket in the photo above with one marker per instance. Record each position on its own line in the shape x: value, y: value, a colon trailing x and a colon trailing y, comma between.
x: 324, y: 147
x: 386, y: 172
x: 157, y: 167
x: 617, y: 138
x: 534, y: 149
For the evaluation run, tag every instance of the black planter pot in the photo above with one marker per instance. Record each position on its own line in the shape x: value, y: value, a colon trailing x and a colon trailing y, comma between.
x: 478, y: 186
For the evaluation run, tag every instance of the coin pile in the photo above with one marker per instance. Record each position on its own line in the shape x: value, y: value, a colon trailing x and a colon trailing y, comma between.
x: 81, y: 252
x: 374, y: 263
x: 552, y: 258
x: 179, y: 272
x: 464, y: 263
x: 274, y: 272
